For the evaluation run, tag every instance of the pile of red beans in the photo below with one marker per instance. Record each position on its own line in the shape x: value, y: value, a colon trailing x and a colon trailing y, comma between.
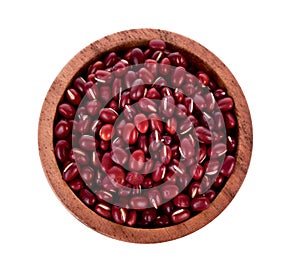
x: 145, y: 139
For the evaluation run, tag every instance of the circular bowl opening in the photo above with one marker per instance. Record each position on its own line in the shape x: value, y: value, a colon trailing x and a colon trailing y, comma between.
x: 199, y: 59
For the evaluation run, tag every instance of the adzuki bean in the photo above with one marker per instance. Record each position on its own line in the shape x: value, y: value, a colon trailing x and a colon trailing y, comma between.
x: 144, y: 139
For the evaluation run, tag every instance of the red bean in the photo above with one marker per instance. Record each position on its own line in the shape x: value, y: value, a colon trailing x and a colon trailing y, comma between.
x: 62, y: 129
x: 87, y: 197
x: 229, y: 119
x: 130, y: 134
x: 210, y: 194
x: 108, y: 115
x: 88, y: 142
x: 154, y: 198
x: 228, y: 166
x: 231, y: 143
x: 119, y: 155
x: 219, y: 93
x: 164, y: 67
x: 138, y: 202
x: 141, y: 122
x: 70, y: 171
x: 159, y: 173
x: 136, y: 160
x: 73, y: 97
x: 137, y: 56
x: 203, y: 78
x: 103, y: 195
x: 119, y: 214
x: 149, y: 215
x: 66, y: 110
x: 197, y: 171
x: 162, y: 221
x: 178, y: 76
x: 147, y: 105
x: 166, y: 154
x: 157, y: 44
x: 225, y: 104
x: 217, y: 150
x: 131, y: 218
x: 79, y: 84
x: 87, y: 174
x: 199, y: 203
x: 187, y: 149
x: 177, y: 59
x: 98, y: 65
x: 203, y: 134
x: 62, y: 150
x: 76, y: 184
x: 111, y: 59
x: 151, y: 66
x: 117, y: 174
x: 169, y: 191
x: 104, y: 209
x: 167, y: 106
x: 106, y: 161
x: 129, y: 78
x: 137, y: 89
x: 103, y: 76
x: 182, y: 201
x: 106, y: 132
x: 119, y: 70
x: 93, y: 107
x: 155, y: 122
x: 134, y: 178
x: 145, y: 75
x: 180, y: 215
x: 152, y: 94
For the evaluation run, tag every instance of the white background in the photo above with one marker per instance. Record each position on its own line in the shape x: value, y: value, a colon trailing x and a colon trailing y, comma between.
x: 257, y: 40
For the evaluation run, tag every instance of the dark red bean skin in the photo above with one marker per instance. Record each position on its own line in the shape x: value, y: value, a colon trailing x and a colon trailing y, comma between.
x: 76, y: 185
x: 119, y: 155
x: 87, y: 174
x: 137, y: 56
x: 168, y: 208
x: 162, y: 221
x: 119, y: 214
x: 62, y: 129
x: 103, y: 209
x: 199, y: 203
x: 88, y: 142
x: 134, y: 178
x: 164, y: 67
x: 203, y: 134
x: 62, y: 150
x: 154, y: 198
x: 219, y: 93
x: 137, y: 89
x: 157, y: 44
x: 177, y: 59
x: 108, y: 115
x: 73, y: 97
x: 87, y: 197
x: 179, y: 216
x: 70, y: 171
x: 149, y: 215
x: 66, y: 110
x: 131, y: 218
x: 230, y: 120
x: 106, y: 132
x: 182, y: 201
x: 136, y: 160
x: 228, y: 166
x: 178, y: 76
x: 169, y: 191
x: 111, y: 59
x: 139, y: 202
x: 225, y: 104
x: 141, y: 123
x: 103, y: 195
x: 129, y: 133
x: 106, y: 161
x: 117, y: 174
x: 159, y: 173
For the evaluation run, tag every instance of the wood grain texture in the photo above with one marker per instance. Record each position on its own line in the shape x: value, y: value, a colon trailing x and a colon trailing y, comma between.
x: 198, y: 56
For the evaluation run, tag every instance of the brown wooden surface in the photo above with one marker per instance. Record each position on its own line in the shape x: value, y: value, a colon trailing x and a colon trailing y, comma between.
x: 199, y: 56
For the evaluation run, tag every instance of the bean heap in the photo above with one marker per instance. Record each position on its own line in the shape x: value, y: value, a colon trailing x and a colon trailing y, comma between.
x: 145, y: 139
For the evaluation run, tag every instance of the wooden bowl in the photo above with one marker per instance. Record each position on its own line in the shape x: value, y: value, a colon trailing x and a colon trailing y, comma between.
x: 197, y: 55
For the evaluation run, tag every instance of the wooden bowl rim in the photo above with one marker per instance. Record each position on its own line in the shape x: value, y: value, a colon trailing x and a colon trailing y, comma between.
x: 129, y: 38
